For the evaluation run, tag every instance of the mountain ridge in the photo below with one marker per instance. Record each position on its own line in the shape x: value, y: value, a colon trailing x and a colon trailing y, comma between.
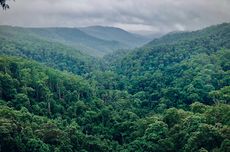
x: 115, y: 33
x: 77, y: 38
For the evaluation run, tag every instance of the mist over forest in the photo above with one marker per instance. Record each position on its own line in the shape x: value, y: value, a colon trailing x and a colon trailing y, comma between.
x: 115, y: 76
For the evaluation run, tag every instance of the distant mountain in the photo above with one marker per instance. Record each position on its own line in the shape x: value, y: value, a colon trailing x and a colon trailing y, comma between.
x: 210, y: 33
x: 91, y: 44
x: 207, y: 40
x: 116, y: 34
x: 26, y: 43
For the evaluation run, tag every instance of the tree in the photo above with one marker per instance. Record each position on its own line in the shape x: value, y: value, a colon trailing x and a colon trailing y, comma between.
x: 4, y: 4
x: 207, y: 136
x: 21, y: 100
x: 36, y: 145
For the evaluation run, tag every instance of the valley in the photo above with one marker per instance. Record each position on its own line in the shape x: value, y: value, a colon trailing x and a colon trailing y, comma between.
x: 104, y: 89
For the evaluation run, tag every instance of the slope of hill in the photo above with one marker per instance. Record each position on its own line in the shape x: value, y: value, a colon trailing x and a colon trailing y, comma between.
x: 212, y: 33
x: 180, y: 64
x: 22, y: 43
x: 92, y: 45
x: 116, y: 34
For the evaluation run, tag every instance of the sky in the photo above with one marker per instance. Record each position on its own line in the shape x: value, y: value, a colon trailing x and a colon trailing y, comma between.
x: 140, y: 16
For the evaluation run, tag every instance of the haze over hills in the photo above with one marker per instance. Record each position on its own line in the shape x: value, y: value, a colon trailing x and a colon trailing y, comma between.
x: 116, y: 34
x: 215, y: 37
x: 21, y: 42
x: 115, y: 76
x: 94, y: 41
x: 214, y: 32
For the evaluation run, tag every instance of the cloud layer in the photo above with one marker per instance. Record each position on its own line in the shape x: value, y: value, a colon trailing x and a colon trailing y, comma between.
x: 154, y: 16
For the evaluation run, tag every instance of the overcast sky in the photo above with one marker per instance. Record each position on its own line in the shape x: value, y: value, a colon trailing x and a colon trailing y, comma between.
x: 153, y: 16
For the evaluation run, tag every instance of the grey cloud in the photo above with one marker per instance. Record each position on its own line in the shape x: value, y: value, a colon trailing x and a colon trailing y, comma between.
x: 156, y: 16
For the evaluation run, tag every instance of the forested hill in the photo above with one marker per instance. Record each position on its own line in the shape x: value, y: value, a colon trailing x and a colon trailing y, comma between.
x: 183, y: 43
x: 21, y: 42
x: 83, y: 39
x: 216, y: 34
x: 177, y: 68
x: 171, y: 95
x: 116, y: 34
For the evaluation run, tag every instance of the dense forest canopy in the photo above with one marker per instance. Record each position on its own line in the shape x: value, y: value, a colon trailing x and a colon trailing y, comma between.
x: 183, y: 64
x: 171, y: 95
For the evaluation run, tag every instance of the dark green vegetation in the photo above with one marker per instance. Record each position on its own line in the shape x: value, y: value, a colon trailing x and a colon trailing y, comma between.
x: 92, y: 41
x: 179, y: 68
x: 22, y: 43
x: 170, y: 95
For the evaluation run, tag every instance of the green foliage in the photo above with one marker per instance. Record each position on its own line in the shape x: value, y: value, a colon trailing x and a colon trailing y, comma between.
x: 171, y: 95
x: 95, y: 42
x: 17, y: 42
x: 41, y: 90
x: 178, y: 69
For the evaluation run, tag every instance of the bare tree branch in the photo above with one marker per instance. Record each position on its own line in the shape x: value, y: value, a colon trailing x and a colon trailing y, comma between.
x: 4, y: 4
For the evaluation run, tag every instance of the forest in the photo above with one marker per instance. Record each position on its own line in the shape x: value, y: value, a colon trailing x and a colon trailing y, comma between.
x: 169, y: 95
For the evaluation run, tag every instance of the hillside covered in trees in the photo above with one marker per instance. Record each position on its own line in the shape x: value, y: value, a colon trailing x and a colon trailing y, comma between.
x: 170, y: 95
x: 94, y: 41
